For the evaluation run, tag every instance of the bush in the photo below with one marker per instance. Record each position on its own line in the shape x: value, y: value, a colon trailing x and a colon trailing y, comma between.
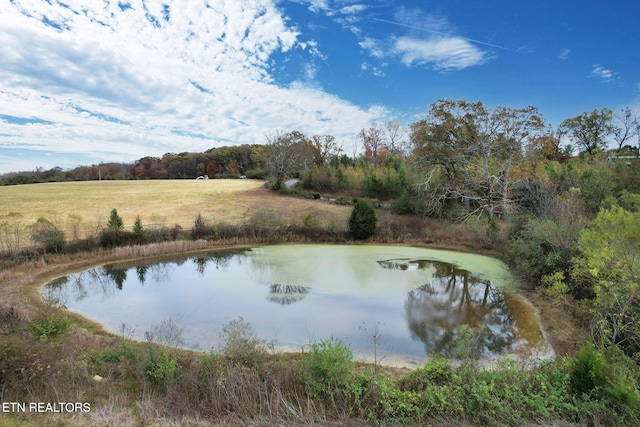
x: 48, y: 235
x: 403, y: 205
x: 124, y: 351
x: 327, y: 368
x: 240, y: 343
x: 256, y: 174
x: 363, y: 220
x: 588, y: 369
x: 161, y: 368
x: 200, y: 229
x: 533, y: 252
x: 436, y: 371
x: 111, y: 238
x: 49, y: 325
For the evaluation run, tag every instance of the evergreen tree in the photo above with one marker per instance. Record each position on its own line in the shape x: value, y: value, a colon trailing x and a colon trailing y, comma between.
x: 363, y: 220
x: 138, y: 230
x: 115, y: 221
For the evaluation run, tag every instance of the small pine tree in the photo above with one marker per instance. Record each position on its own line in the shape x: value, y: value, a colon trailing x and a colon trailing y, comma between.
x: 115, y: 221
x: 363, y: 220
x: 138, y: 230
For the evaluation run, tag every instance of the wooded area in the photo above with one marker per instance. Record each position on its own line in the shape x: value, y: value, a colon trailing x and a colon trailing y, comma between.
x: 562, y: 206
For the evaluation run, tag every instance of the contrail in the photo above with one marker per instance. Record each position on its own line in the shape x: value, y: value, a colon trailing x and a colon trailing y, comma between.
x: 441, y: 33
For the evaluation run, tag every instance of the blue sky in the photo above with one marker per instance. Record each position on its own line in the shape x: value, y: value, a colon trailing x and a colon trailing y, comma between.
x: 88, y: 82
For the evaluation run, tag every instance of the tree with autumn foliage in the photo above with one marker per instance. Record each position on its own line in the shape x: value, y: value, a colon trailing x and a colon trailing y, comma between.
x: 466, y: 153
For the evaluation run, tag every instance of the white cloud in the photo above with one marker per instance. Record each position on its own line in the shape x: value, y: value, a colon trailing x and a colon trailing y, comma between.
x: 334, y: 7
x: 376, y: 71
x: 603, y: 74
x: 319, y: 6
x: 375, y: 47
x: 111, y: 81
x: 564, y: 54
x: 346, y: 13
x: 439, y: 53
x: 427, y: 40
x: 353, y: 9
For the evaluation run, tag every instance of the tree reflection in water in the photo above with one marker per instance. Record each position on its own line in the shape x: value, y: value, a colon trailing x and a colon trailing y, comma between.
x: 141, y: 273
x: 440, y: 313
x: 117, y: 275
x: 286, y: 294
x: 107, y: 279
x: 431, y: 305
x: 219, y: 260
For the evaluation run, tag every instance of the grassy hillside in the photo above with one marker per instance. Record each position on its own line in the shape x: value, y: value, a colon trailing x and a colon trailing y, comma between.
x: 80, y: 208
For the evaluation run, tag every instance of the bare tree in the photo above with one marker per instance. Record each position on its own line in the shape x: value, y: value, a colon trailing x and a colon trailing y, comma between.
x: 373, y: 142
x: 287, y: 154
x: 626, y: 127
x: 396, y: 135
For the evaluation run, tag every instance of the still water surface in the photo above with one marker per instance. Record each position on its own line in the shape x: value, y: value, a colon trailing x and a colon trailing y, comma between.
x: 414, y: 301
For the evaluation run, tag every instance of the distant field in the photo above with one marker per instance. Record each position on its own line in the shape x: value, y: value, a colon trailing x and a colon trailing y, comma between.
x: 85, y: 206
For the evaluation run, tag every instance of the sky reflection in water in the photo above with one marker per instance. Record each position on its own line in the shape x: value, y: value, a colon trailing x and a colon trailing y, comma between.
x: 417, y: 301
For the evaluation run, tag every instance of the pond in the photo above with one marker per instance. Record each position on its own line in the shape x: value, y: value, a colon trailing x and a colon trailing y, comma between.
x: 402, y: 303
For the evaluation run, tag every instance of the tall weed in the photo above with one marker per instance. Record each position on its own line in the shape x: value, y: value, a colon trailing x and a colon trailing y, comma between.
x: 240, y: 343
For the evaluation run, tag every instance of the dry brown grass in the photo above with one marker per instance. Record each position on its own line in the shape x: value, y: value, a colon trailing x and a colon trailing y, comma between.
x: 239, y: 397
x: 82, y: 208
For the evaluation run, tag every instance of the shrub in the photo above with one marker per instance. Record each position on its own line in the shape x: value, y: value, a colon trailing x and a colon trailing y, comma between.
x: 199, y: 229
x: 363, y: 220
x: 256, y: 174
x: 111, y: 238
x: 588, y: 369
x: 327, y: 368
x: 48, y: 325
x: 240, y: 343
x: 533, y: 252
x: 100, y: 357
x: 403, y: 205
x: 48, y: 235
x: 623, y: 378
x: 436, y: 371
x: 161, y: 368
x: 176, y: 231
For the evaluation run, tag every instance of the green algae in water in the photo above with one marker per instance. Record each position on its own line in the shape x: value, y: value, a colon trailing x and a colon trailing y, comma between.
x: 418, y: 301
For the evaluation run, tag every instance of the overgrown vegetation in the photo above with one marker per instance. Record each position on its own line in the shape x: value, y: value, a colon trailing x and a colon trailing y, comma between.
x: 497, y: 179
x: 245, y: 379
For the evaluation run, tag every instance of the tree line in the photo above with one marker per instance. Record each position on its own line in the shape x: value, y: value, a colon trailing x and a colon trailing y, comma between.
x: 558, y: 204
x: 454, y: 135
x: 555, y: 201
x: 223, y: 162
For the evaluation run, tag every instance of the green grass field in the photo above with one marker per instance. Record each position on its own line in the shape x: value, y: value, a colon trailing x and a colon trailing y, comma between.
x: 81, y: 208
